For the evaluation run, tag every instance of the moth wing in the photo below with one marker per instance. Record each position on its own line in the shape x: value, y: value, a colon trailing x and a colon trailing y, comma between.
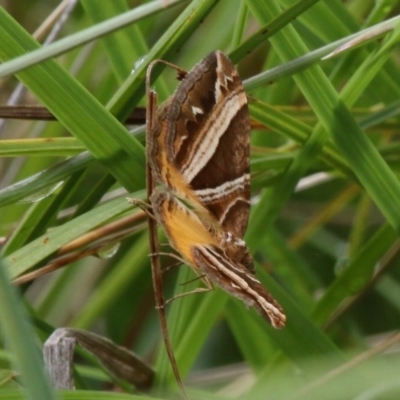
x: 236, y: 280
x: 182, y: 226
x: 201, y: 145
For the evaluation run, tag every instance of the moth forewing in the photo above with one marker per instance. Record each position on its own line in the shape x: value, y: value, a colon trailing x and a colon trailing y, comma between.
x: 200, y: 145
x: 235, y: 279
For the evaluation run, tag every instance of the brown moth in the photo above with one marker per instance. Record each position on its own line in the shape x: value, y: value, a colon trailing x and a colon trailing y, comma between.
x: 198, y: 149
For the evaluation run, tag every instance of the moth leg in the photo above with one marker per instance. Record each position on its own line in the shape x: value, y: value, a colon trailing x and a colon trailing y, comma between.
x: 172, y: 255
x: 138, y: 202
x: 166, y: 269
x: 143, y: 205
x: 209, y: 287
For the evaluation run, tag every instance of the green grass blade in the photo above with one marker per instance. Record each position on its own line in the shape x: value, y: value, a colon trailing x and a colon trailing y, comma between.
x: 19, y: 335
x: 37, y: 250
x: 105, y: 138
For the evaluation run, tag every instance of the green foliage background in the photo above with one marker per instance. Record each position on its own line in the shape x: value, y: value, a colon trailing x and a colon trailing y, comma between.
x: 323, y: 228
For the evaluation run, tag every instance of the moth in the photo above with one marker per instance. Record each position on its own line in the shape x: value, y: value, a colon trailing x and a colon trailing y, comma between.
x: 198, y: 151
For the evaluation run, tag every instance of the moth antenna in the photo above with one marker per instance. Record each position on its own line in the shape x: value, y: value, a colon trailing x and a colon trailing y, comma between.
x: 181, y: 72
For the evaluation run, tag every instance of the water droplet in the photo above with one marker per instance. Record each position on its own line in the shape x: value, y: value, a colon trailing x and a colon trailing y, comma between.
x: 41, y: 194
x: 137, y: 64
x: 108, y: 250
